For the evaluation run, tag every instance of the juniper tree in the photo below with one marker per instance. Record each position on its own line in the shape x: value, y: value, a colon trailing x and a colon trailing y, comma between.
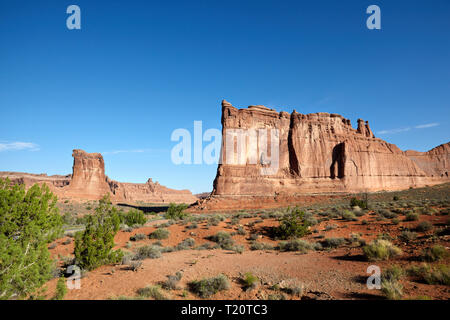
x: 29, y: 220
x: 94, y: 246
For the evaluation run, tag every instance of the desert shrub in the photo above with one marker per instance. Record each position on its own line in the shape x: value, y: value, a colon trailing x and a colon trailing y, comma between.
x: 395, y: 221
x: 238, y: 248
x: 276, y: 296
x: 159, y: 234
x: 310, y: 220
x: 150, y: 251
x: 392, y: 289
x: 250, y: 281
x: 424, y: 226
x: 193, y: 225
x: 295, y: 290
x: 234, y: 220
x: 330, y: 227
x: 125, y: 228
x: 176, y: 211
x: 151, y: 292
x: 213, y: 221
x: 295, y: 245
x: 172, y: 281
x: 93, y: 247
x: 137, y: 237
x: 407, y: 235
x: 134, y: 265
x: 333, y: 242
x: 357, y: 202
x: 223, y: 239
x: 134, y: 217
x: 381, y: 250
x: 431, y: 275
x: 205, y: 246
x: 29, y: 221
x: 292, y: 225
x: 186, y: 244
x: 260, y: 246
x: 358, y: 211
x: 348, y: 215
x: 412, y: 216
x: 205, y: 288
x: 241, y: 231
x: 393, y: 273
x: 387, y: 214
x: 435, y: 253
x: 395, y: 198
x: 61, y: 289
x: 254, y: 236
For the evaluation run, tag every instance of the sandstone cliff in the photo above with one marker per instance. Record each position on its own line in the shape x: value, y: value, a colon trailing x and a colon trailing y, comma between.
x: 319, y: 153
x: 89, y: 182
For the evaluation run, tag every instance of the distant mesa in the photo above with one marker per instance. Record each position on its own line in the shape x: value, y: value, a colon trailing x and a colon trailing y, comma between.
x: 319, y: 153
x: 89, y: 182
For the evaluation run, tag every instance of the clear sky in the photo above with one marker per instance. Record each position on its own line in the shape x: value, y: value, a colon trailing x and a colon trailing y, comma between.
x: 137, y: 70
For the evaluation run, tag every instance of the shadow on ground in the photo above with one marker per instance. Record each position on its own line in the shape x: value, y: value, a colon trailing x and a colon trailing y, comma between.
x: 146, y: 209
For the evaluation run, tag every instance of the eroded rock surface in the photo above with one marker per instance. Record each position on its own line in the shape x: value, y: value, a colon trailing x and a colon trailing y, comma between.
x: 89, y: 182
x: 318, y: 153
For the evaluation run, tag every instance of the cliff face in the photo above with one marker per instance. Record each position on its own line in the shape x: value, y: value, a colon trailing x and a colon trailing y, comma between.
x: 89, y: 182
x: 318, y: 153
x: 88, y: 178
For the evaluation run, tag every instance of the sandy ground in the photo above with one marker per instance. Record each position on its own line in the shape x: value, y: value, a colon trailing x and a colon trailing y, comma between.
x: 330, y: 274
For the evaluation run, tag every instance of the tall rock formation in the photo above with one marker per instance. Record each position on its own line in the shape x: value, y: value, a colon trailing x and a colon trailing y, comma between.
x: 88, y: 178
x: 318, y: 153
x: 89, y: 182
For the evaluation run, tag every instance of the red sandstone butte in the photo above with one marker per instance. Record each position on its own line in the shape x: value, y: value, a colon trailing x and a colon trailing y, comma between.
x: 89, y: 182
x: 318, y: 153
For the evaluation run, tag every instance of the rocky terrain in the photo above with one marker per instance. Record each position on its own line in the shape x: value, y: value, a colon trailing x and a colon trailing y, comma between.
x: 89, y: 182
x: 328, y: 263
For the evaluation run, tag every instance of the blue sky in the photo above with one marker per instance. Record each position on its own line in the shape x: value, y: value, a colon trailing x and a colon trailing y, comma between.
x: 137, y: 70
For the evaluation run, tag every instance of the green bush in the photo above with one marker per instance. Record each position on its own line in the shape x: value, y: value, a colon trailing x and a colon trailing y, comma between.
x: 176, y: 211
x: 145, y: 252
x: 412, y: 216
x: 392, y: 289
x: 333, y: 242
x: 151, y: 292
x: 134, y: 217
x: 250, y: 281
x: 223, y: 239
x: 431, y: 275
x: 93, y: 246
x: 359, y: 203
x: 381, y: 250
x: 424, y: 226
x: 407, y: 235
x: 292, y: 225
x: 159, y: 234
x: 61, y: 289
x: 172, y: 281
x: 295, y: 245
x: 393, y: 273
x: 205, y: 288
x: 348, y: 215
x: 260, y: 246
x: 137, y: 237
x: 435, y: 253
x: 186, y: 244
x: 29, y: 221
